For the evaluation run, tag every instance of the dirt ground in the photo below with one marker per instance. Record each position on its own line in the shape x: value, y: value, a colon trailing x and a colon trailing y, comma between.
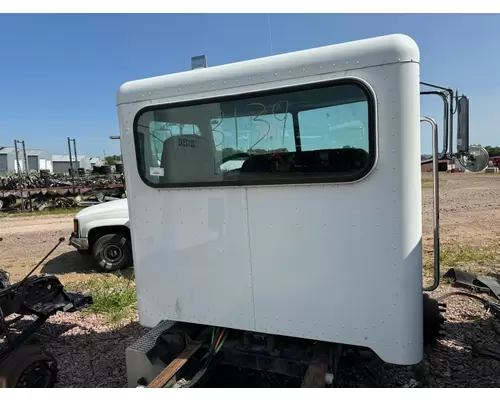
x: 469, y: 231
x: 26, y: 240
x: 469, y: 207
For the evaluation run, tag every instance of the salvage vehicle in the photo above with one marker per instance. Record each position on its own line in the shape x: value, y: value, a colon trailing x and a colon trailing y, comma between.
x: 103, y: 231
x: 308, y: 249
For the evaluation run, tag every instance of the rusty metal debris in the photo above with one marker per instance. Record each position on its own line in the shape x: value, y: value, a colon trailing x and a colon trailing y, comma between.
x: 39, y: 191
x: 43, y: 180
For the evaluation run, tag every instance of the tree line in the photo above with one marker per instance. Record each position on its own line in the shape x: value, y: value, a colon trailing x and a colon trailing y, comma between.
x: 493, y: 151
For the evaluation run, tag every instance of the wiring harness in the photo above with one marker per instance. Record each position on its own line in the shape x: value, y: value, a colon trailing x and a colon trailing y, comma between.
x: 215, y: 346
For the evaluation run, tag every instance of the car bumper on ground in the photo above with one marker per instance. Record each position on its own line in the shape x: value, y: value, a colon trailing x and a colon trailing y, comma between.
x: 79, y: 243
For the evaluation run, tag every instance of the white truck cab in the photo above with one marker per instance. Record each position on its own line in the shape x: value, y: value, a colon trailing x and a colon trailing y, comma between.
x: 313, y: 240
x: 103, y: 231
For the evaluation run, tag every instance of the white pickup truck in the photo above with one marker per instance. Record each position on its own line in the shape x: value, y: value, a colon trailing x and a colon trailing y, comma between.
x: 103, y: 231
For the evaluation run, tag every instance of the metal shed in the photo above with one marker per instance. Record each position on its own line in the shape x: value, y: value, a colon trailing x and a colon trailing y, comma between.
x: 61, y: 164
x: 39, y: 159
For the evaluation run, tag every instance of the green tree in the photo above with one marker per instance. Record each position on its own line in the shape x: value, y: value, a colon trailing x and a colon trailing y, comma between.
x: 112, y: 159
x: 493, y: 151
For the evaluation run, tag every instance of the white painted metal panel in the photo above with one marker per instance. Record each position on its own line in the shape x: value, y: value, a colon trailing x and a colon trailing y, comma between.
x: 191, y: 244
x: 334, y: 262
x: 342, y: 263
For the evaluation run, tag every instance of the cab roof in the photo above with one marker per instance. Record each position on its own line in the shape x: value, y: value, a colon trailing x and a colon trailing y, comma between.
x: 212, y: 81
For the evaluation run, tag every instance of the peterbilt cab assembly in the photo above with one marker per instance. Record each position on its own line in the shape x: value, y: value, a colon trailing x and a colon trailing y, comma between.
x: 309, y: 242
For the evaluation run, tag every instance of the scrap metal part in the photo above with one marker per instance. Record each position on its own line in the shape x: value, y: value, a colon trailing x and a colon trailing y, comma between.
x: 479, y: 283
x: 29, y: 367
x: 37, y: 192
x: 4, y: 278
x: 42, y: 297
x: 15, y: 182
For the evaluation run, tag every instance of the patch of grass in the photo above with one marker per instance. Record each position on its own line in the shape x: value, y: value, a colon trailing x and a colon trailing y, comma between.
x: 426, y: 183
x: 114, y: 297
x: 473, y: 318
x: 49, y: 211
x: 459, y: 254
x: 475, y: 259
x: 446, y: 281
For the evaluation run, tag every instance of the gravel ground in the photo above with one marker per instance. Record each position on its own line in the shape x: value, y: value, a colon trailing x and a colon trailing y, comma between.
x: 90, y: 353
x: 451, y: 363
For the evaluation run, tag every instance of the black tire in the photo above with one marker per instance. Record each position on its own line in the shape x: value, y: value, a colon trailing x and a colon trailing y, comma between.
x: 28, y: 366
x: 112, y: 252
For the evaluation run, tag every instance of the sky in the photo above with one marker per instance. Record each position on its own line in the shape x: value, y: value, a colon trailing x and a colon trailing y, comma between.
x: 60, y: 73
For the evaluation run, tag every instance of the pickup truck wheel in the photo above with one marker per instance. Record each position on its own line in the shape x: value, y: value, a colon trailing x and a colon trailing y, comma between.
x: 112, y: 252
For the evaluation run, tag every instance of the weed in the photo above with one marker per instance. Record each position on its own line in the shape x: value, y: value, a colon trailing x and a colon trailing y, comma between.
x: 446, y: 281
x: 474, y: 259
x: 459, y: 254
x: 426, y: 183
x: 114, y: 297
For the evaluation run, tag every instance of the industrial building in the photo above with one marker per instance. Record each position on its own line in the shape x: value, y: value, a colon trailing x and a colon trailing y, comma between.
x: 37, y: 160
x: 61, y: 163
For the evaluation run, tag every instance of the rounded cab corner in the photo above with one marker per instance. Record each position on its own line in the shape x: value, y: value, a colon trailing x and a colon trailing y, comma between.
x: 123, y: 92
x: 404, y: 47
